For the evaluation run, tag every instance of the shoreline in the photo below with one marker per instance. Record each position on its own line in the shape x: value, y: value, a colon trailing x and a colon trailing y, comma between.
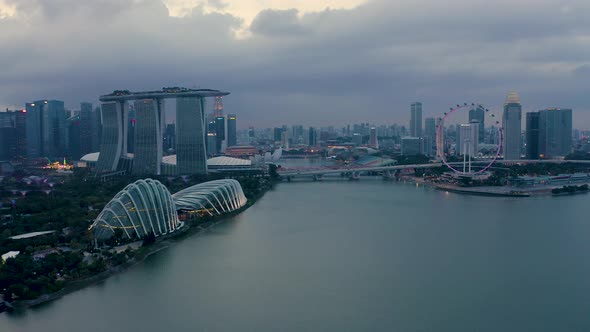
x: 162, y: 244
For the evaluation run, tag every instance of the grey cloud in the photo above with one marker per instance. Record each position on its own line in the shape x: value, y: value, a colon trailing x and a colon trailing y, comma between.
x: 277, y: 23
x: 328, y: 67
x: 219, y: 4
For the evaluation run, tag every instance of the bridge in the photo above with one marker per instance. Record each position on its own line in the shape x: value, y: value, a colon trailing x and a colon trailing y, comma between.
x: 354, y: 172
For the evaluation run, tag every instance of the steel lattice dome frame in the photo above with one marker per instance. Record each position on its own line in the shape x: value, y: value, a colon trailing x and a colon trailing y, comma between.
x: 141, y: 208
x: 214, y: 197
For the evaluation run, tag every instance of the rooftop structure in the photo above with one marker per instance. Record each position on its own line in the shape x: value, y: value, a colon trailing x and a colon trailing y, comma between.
x: 10, y: 254
x: 512, y: 98
x: 171, y: 92
x: 30, y: 235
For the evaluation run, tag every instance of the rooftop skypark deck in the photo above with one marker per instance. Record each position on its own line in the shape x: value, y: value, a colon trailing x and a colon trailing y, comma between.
x: 171, y: 92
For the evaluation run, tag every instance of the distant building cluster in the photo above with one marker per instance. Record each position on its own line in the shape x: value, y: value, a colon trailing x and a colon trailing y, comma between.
x: 548, y: 133
x: 130, y: 131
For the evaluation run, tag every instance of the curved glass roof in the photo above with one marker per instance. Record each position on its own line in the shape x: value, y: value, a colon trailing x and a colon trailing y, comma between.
x: 141, y: 208
x: 213, y: 197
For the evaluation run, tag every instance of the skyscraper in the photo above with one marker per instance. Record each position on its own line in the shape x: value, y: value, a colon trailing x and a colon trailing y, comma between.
x: 218, y: 107
x: 8, y: 137
x: 416, y: 120
x: 232, y: 135
x: 74, y: 137
x: 430, y: 136
x: 478, y: 115
x: 277, y: 134
x: 511, y: 120
x: 46, y: 128
x: 148, y: 136
x: 96, y: 129
x: 313, y: 136
x: 220, y: 132
x: 21, y: 134
x: 114, y: 135
x: 468, y: 139
x: 85, y: 129
x: 373, y: 138
x: 532, y: 135
x: 211, y: 144
x: 411, y: 146
x: 190, y: 136
x: 555, y: 132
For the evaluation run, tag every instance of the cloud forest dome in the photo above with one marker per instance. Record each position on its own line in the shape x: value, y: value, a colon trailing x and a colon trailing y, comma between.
x: 147, y: 206
x: 214, y: 197
x: 141, y: 208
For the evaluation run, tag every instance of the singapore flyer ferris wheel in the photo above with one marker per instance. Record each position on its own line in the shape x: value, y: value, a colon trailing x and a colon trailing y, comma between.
x: 468, y: 137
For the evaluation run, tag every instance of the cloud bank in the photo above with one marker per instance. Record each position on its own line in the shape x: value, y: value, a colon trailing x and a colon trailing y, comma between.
x: 295, y: 66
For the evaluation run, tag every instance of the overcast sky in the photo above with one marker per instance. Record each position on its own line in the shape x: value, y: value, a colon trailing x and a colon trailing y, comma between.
x: 311, y: 62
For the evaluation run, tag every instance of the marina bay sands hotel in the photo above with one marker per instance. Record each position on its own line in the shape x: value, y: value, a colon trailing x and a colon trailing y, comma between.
x: 191, y: 154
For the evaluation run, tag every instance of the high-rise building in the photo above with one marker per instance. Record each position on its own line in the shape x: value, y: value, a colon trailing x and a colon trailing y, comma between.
x: 74, y: 137
x: 148, y: 150
x: 46, y: 128
x: 416, y: 119
x: 232, y: 132
x: 251, y: 135
x: 373, y: 138
x: 478, y: 115
x: 218, y: 107
x: 429, y: 136
x: 357, y: 139
x: 313, y: 137
x: 191, y: 152
x: 96, y: 129
x: 212, y: 144
x: 512, y: 123
x: 411, y: 146
x: 298, y: 136
x: 468, y: 139
x: 21, y: 134
x: 555, y: 132
x: 190, y: 139
x: 277, y: 134
x: 8, y: 137
x: 33, y: 130
x: 285, y: 139
x: 114, y: 135
x: 532, y: 135
x: 220, y: 132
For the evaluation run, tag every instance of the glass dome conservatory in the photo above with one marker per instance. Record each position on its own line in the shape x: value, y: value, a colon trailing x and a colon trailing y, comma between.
x: 141, y: 208
x: 213, y: 197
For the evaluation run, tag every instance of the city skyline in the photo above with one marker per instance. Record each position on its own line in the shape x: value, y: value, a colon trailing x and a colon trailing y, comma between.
x: 295, y: 62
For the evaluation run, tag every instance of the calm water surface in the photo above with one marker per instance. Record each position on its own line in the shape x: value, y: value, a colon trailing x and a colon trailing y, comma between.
x: 354, y: 256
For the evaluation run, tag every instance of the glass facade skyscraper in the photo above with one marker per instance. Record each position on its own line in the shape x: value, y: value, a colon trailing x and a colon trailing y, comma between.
x: 430, y: 136
x: 46, y: 129
x: 555, y: 132
x: 512, y: 123
x: 478, y: 115
x: 113, y: 142
x: 532, y: 135
x: 416, y: 119
x: 231, y: 130
x: 191, y: 154
x: 148, y: 151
